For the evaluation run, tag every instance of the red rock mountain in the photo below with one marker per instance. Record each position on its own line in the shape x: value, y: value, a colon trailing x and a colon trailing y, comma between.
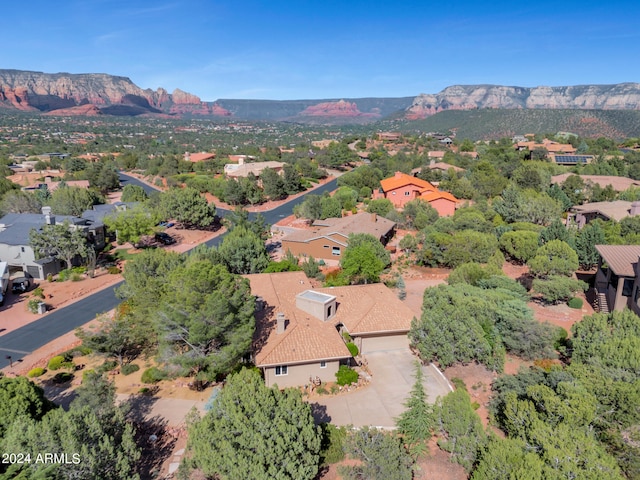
x: 94, y: 94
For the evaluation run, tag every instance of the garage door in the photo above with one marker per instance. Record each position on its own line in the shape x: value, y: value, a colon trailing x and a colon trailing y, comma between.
x: 388, y: 342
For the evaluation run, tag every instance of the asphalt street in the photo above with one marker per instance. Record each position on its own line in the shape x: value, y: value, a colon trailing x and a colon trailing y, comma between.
x: 23, y: 341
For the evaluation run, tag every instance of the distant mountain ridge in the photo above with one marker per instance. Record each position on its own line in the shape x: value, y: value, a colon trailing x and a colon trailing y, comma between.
x: 98, y: 94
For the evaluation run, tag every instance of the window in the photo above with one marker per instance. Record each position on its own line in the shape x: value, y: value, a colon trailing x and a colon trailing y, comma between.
x: 627, y: 287
x: 335, y: 251
x: 22, y: 249
x: 323, y: 364
x: 282, y: 370
x: 329, y: 311
x: 393, y: 193
x: 326, y: 246
x: 406, y: 194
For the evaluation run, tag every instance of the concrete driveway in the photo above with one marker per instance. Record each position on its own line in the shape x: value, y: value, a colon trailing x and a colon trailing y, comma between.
x: 379, y: 403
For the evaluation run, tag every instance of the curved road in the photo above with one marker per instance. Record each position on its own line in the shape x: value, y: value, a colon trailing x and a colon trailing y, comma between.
x: 34, y: 335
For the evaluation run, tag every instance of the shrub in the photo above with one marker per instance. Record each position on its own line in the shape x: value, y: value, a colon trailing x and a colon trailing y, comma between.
x: 49, y: 278
x: 38, y: 292
x: 332, y: 447
x: 353, y: 349
x: 107, y: 366
x: 113, y: 270
x: 575, y: 302
x: 87, y: 374
x: 36, y: 372
x: 56, y: 363
x: 346, y: 375
x: 32, y: 305
x: 129, y: 368
x: 557, y: 289
x: 144, y: 390
x: 322, y: 389
x: 152, y: 375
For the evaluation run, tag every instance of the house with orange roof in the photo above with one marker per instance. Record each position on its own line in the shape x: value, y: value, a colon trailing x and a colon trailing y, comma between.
x: 198, y: 157
x: 402, y: 188
x: 299, y: 329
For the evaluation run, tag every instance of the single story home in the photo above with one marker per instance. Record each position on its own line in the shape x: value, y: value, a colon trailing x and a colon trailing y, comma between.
x: 588, y: 212
x: 330, y: 237
x: 301, y: 330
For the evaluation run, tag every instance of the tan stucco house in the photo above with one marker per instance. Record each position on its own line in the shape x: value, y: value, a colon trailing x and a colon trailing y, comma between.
x: 330, y: 237
x: 299, y: 329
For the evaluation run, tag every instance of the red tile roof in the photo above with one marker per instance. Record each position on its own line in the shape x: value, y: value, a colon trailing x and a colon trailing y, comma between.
x: 400, y: 180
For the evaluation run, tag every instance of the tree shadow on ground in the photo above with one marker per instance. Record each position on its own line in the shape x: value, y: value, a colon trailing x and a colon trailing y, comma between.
x: 319, y: 413
x: 156, y: 445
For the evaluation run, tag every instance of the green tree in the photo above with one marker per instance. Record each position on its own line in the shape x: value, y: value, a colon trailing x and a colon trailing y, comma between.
x: 418, y: 214
x: 364, y: 259
x: 96, y: 432
x: 130, y: 224
x: 205, y: 319
x: 19, y: 201
x: 133, y: 193
x: 256, y: 432
x: 244, y: 252
x: 380, y: 206
x: 508, y: 458
x: 59, y: 240
x: 554, y: 258
x: 330, y: 207
x: 20, y: 397
x: 558, y: 288
x: 520, y: 245
x: 117, y: 336
x: 460, y: 427
x: 187, y: 207
x: 273, y: 184
x: 574, y: 188
x: 311, y: 208
x: 416, y: 422
x: 292, y: 182
x: 382, y: 456
x: 72, y: 200
x: 468, y: 246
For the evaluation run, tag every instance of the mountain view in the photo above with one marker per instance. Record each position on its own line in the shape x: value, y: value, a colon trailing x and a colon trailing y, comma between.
x: 103, y: 94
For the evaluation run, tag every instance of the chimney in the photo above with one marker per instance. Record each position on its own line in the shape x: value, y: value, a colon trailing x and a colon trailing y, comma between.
x: 48, y: 179
x: 49, y: 219
x: 374, y: 217
x: 241, y: 160
x: 281, y: 323
x: 635, y: 209
x: 432, y: 162
x: 398, y: 174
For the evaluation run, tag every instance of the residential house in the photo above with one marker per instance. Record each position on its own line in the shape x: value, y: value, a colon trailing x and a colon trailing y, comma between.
x: 588, y: 212
x: 299, y: 329
x: 617, y: 282
x: 571, y: 159
x: 330, y: 237
x: 619, y: 184
x: 15, y: 248
x: 549, y: 145
x: 402, y: 188
x: 242, y: 169
x: 198, y: 157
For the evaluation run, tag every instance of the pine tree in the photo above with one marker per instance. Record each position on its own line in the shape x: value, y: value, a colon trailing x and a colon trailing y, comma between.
x: 416, y: 422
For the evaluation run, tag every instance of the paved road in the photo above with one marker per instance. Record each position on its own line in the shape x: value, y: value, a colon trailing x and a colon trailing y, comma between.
x: 32, y: 336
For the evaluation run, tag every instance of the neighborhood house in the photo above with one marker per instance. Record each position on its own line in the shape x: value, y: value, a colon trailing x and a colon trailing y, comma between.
x: 330, y: 237
x: 300, y: 330
x: 402, y: 188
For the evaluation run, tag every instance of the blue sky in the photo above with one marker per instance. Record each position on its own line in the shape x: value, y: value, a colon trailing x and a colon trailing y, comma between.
x: 326, y: 49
